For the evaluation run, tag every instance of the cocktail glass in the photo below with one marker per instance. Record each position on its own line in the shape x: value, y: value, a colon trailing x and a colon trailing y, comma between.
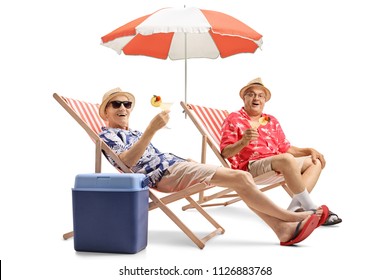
x: 165, y: 106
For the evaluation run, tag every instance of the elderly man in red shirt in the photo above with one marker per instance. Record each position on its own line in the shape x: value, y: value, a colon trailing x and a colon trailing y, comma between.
x: 255, y: 142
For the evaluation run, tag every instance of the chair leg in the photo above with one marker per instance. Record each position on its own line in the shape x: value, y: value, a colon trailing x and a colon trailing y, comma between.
x: 218, y: 195
x: 285, y: 187
x: 199, y: 242
x: 219, y: 229
x: 68, y: 235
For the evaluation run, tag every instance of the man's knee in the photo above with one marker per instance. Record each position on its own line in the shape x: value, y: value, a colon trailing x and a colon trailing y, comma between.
x: 228, y: 177
x: 244, y: 176
x: 243, y: 180
x: 284, y: 160
x: 308, y: 163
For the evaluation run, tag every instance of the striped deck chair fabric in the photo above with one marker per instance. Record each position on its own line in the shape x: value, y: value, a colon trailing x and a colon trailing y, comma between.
x: 209, y: 123
x: 87, y: 115
x: 212, y: 120
x: 88, y: 112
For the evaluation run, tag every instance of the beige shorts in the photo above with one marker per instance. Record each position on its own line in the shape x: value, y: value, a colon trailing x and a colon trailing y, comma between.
x: 185, y: 174
x: 261, y: 166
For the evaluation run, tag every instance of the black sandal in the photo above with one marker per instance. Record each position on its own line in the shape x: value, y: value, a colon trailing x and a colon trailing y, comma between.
x: 330, y: 222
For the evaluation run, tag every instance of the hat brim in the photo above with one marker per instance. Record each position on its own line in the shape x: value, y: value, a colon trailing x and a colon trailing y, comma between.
x: 267, y: 92
x: 103, y: 106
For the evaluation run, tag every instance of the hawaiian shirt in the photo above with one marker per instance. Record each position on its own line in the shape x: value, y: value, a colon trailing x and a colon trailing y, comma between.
x: 152, y: 163
x: 271, y: 140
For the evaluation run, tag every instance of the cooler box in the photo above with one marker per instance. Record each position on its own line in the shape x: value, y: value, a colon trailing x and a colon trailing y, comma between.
x: 110, y: 212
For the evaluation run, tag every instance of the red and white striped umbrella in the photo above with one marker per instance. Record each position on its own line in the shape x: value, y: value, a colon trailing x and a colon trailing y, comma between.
x: 181, y: 33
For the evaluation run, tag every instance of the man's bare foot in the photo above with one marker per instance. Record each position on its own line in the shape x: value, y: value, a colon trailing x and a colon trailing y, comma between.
x: 295, y: 232
x: 287, y: 230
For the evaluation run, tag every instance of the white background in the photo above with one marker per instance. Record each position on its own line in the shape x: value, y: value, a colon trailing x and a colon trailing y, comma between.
x: 326, y: 64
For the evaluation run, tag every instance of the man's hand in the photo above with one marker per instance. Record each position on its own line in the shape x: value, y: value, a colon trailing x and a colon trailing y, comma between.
x: 316, y: 155
x: 249, y: 135
x: 159, y: 121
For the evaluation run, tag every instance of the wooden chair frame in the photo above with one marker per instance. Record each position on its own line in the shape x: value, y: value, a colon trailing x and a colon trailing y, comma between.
x: 156, y: 201
x: 208, y: 121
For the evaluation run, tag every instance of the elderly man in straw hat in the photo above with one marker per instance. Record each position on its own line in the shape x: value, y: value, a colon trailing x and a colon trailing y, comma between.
x: 254, y: 141
x: 169, y: 173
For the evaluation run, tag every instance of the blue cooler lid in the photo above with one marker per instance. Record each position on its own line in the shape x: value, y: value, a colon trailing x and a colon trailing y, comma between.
x: 111, y: 182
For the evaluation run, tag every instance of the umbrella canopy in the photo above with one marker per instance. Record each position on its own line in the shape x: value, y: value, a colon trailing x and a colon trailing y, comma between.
x: 181, y: 33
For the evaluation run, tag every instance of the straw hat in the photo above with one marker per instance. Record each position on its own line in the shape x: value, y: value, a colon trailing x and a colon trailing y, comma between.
x: 256, y: 82
x: 111, y: 94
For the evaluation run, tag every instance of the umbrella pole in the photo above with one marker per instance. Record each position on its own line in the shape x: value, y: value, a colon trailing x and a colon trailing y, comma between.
x: 185, y: 71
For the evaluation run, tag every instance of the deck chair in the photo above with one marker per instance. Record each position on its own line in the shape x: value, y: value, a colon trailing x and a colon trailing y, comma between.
x: 86, y: 114
x: 209, y: 123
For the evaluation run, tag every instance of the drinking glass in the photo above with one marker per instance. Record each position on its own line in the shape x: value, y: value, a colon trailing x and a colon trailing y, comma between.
x: 164, y: 106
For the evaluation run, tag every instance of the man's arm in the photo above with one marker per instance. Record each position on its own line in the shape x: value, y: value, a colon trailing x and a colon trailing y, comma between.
x: 233, y: 149
x: 132, y: 155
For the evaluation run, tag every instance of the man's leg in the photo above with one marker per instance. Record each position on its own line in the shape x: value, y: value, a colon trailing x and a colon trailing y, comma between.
x: 281, y: 221
x: 310, y: 173
x: 242, y: 183
x: 287, y: 165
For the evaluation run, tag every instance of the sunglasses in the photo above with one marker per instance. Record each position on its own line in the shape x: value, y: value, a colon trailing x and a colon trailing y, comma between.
x: 117, y: 104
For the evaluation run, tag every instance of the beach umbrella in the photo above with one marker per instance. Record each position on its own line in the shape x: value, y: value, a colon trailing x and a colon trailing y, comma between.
x: 183, y: 33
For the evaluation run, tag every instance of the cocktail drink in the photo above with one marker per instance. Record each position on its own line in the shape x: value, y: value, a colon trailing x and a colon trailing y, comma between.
x: 165, y: 106
x: 254, y: 124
